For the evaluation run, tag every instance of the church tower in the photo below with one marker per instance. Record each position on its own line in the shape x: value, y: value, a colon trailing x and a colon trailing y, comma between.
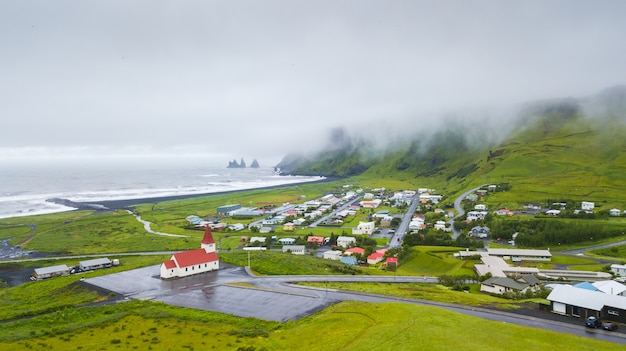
x: 208, y: 243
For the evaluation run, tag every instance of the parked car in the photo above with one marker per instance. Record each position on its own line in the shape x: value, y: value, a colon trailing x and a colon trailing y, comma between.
x: 593, y: 322
x: 609, y: 326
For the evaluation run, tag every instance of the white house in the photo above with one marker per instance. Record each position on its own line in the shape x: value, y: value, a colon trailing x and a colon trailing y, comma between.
x: 615, y: 212
x: 619, y: 269
x: 286, y: 241
x: 501, y: 285
x: 480, y: 207
x: 333, y: 255
x: 441, y: 225
x: 346, y: 241
x: 295, y: 249
x: 476, y: 215
x: 364, y: 228
x: 587, y: 206
x: 192, y: 262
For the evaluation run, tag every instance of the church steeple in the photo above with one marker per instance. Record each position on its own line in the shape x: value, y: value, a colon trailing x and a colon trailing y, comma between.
x: 208, y: 243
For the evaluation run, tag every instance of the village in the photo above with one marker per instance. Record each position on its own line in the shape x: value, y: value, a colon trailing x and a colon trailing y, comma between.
x: 508, y: 272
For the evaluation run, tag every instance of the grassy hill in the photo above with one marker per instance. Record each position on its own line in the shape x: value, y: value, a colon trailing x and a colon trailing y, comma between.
x: 556, y: 149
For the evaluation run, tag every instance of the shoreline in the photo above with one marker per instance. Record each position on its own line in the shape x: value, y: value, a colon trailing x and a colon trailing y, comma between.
x: 127, y: 203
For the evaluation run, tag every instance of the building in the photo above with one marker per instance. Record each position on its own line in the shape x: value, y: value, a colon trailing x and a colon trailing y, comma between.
x: 587, y: 206
x: 186, y: 263
x: 619, y: 269
x: 333, y: 255
x: 349, y: 260
x: 375, y: 258
x: 354, y: 250
x: 95, y: 264
x: 295, y: 249
x: 502, y: 285
x: 286, y: 241
x: 289, y: 227
x: 346, y: 241
x: 226, y: 209
x: 364, y: 228
x: 521, y: 255
x: 582, y: 303
x: 49, y: 272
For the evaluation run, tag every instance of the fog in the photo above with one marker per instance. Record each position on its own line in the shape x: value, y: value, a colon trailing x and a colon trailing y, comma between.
x: 222, y: 80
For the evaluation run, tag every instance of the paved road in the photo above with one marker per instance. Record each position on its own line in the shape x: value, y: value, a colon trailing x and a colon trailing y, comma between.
x: 232, y: 290
x: 460, y: 211
x: 403, y: 227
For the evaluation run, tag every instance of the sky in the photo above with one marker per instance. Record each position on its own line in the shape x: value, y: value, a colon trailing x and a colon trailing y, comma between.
x: 223, y: 80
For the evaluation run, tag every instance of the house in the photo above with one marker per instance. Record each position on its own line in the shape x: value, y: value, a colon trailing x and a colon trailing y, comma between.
x: 481, y: 192
x: 553, y: 213
x: 346, y: 241
x: 364, y: 228
x: 480, y: 232
x: 582, y: 303
x: 615, y: 212
x: 354, y: 250
x: 441, y: 225
x: 370, y: 203
x: 286, y: 241
x: 318, y: 240
x: 49, y: 272
x: 532, y: 206
x: 257, y: 239
x: 502, y: 285
x: 476, y: 215
x: 503, y: 212
x: 236, y: 227
x: 295, y: 249
x: 333, y: 255
x: 186, y: 263
x: 95, y: 264
x: 587, y: 206
x: 480, y: 207
x: 391, y: 262
x: 289, y: 227
x: 375, y: 258
x: 619, y: 269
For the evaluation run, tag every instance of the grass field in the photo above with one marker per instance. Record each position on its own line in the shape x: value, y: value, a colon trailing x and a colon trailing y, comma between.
x: 345, y: 326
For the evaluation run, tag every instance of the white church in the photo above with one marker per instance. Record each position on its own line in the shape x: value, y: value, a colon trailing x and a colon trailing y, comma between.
x: 186, y: 263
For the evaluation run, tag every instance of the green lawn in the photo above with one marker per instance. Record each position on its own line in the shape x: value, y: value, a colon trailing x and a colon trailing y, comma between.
x: 344, y: 326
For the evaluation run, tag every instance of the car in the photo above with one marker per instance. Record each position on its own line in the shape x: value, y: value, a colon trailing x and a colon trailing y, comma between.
x: 609, y: 326
x: 593, y: 322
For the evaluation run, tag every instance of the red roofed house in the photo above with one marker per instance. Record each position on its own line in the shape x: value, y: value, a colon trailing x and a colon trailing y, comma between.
x: 393, y: 261
x: 319, y: 240
x: 354, y: 250
x: 192, y: 262
x: 375, y: 258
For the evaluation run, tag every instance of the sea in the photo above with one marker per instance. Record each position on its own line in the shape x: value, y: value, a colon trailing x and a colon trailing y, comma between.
x: 26, y: 187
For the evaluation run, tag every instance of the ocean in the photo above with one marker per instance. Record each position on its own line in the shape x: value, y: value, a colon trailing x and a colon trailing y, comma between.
x: 25, y: 187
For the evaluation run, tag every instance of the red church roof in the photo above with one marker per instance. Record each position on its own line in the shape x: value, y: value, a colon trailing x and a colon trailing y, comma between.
x: 208, y: 236
x: 169, y: 264
x: 194, y: 257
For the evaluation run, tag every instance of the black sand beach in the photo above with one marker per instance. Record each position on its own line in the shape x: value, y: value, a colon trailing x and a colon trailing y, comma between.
x: 128, y: 203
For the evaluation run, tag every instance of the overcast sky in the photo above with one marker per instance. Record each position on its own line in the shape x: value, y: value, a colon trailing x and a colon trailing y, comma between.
x: 258, y: 79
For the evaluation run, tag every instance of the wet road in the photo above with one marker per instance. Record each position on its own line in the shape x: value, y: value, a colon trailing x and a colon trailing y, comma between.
x: 233, y: 291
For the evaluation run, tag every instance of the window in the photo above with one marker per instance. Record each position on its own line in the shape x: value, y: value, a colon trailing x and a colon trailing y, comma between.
x: 613, y: 312
x: 576, y: 311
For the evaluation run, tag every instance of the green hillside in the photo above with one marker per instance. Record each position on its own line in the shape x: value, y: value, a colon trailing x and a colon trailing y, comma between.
x: 558, y: 149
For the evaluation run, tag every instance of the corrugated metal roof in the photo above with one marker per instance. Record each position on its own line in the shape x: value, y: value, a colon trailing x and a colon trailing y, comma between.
x: 95, y: 262
x: 52, y: 269
x: 593, y: 300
